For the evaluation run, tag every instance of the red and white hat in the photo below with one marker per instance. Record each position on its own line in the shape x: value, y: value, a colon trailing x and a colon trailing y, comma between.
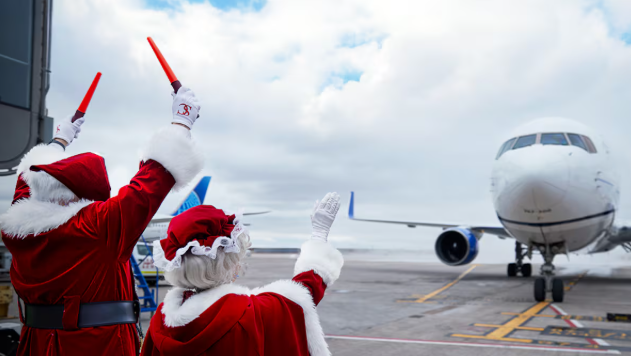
x: 202, y: 229
x: 83, y: 176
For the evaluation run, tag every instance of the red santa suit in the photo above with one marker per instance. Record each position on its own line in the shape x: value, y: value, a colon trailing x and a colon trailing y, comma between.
x: 79, y: 253
x: 277, y: 319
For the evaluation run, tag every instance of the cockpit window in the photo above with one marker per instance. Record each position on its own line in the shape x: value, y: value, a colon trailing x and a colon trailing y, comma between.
x: 525, y: 141
x: 553, y: 139
x: 577, y: 141
x: 590, y: 145
x: 505, y: 147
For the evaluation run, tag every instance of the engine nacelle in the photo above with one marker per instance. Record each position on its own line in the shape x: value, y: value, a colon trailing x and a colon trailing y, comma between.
x: 457, y: 246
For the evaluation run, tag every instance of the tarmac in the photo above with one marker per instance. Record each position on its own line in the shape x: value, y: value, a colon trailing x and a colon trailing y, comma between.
x: 404, y: 308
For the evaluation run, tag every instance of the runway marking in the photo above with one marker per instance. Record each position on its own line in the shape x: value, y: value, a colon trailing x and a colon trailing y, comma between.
x: 424, y: 298
x: 502, y: 332
x: 610, y: 334
x: 575, y: 324
x: 576, y: 349
x: 516, y: 328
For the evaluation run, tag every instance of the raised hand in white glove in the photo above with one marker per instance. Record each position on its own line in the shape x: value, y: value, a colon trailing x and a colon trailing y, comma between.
x: 185, y: 107
x: 323, y: 215
x: 68, y: 130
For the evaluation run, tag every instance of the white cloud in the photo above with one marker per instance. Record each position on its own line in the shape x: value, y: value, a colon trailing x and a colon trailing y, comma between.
x: 441, y: 83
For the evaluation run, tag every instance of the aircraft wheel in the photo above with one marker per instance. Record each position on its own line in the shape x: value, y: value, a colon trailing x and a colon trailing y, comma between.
x: 526, y: 270
x: 540, y: 289
x: 512, y: 269
x: 558, y: 290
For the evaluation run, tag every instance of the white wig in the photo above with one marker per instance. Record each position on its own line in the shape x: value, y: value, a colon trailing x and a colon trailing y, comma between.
x: 203, y: 272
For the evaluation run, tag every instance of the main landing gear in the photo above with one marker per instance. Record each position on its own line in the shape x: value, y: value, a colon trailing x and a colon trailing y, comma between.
x: 547, y: 282
x: 519, y: 267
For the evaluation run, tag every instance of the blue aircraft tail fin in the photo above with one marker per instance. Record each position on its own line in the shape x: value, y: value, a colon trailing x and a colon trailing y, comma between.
x: 351, y: 206
x: 196, y: 197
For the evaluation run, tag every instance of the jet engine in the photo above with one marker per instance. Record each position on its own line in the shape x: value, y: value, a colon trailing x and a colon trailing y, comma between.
x: 457, y: 246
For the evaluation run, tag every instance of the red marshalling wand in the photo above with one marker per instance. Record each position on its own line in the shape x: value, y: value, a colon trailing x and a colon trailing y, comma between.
x: 86, y: 99
x: 167, y: 69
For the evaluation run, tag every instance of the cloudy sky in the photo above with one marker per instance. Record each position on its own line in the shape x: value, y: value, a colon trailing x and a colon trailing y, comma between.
x: 404, y: 102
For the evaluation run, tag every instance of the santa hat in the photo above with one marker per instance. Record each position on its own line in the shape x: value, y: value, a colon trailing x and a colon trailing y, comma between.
x: 63, y: 179
x: 202, y: 229
x: 84, y: 175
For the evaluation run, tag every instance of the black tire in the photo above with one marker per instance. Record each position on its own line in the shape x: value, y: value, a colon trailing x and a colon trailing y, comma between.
x: 540, y: 289
x: 526, y: 270
x: 558, y: 290
x: 512, y: 270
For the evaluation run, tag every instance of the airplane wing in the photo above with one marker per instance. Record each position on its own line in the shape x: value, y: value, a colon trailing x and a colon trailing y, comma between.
x: 491, y: 230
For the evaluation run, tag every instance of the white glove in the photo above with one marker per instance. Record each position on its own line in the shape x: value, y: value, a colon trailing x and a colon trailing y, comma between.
x: 68, y: 130
x: 185, y: 107
x: 323, y: 215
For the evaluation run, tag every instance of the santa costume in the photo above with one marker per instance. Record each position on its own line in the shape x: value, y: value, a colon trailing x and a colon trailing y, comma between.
x: 71, y: 243
x: 229, y: 319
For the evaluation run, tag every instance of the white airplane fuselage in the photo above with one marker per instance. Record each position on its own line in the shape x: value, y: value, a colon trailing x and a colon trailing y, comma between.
x: 559, y: 195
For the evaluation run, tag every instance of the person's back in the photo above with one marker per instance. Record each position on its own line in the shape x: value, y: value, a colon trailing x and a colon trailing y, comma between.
x: 71, y: 242
x: 207, y: 314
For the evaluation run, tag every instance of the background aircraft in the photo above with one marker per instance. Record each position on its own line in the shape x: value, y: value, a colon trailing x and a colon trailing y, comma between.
x: 554, y: 191
x: 157, y: 228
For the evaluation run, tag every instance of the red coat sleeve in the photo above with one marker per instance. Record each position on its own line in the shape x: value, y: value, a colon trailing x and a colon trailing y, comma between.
x: 314, y: 283
x: 123, y: 218
x: 22, y: 190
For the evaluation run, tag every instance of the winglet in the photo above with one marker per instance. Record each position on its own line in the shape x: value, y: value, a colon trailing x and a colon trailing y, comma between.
x: 351, y: 207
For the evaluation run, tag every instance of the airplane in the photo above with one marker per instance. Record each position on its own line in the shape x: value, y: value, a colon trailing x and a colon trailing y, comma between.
x: 554, y: 190
x: 157, y: 228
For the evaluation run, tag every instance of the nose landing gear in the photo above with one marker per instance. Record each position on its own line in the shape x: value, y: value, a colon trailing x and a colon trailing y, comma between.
x: 547, y: 283
x: 519, y: 267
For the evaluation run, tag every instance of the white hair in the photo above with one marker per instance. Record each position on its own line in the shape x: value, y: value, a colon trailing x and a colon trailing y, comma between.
x: 203, y: 272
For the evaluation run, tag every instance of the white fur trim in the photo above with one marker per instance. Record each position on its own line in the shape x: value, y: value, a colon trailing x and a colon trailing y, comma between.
x: 42, y: 185
x: 300, y: 295
x: 229, y: 245
x: 322, y: 258
x: 178, y: 314
x: 32, y: 217
x: 41, y: 154
x: 173, y: 148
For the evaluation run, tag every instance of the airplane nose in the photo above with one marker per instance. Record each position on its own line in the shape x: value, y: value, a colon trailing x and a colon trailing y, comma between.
x: 536, y: 179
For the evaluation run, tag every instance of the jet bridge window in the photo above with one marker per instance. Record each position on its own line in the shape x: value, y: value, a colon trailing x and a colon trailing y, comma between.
x: 525, y: 141
x: 553, y: 139
x: 505, y: 147
x: 16, y: 21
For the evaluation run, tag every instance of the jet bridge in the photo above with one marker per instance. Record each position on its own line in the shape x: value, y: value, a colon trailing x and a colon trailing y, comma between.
x: 25, y: 38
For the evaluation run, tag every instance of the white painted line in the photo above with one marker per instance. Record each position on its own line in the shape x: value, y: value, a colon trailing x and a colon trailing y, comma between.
x: 475, y: 344
x: 576, y: 324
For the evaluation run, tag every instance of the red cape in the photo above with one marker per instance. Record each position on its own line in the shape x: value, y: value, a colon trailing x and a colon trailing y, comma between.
x: 277, y: 319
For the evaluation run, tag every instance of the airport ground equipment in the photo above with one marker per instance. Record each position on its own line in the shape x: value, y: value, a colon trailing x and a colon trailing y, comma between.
x: 149, y: 299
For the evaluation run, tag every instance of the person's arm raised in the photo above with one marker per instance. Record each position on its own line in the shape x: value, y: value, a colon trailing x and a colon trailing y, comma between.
x: 319, y: 264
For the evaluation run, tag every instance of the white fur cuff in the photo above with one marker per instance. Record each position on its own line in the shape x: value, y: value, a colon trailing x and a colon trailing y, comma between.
x: 173, y: 149
x: 322, y: 258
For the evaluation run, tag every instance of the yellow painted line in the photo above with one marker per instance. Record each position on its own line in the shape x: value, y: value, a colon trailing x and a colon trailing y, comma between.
x: 438, y: 291
x: 517, y: 328
x: 538, y: 315
x: 526, y: 341
x: 520, y: 319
